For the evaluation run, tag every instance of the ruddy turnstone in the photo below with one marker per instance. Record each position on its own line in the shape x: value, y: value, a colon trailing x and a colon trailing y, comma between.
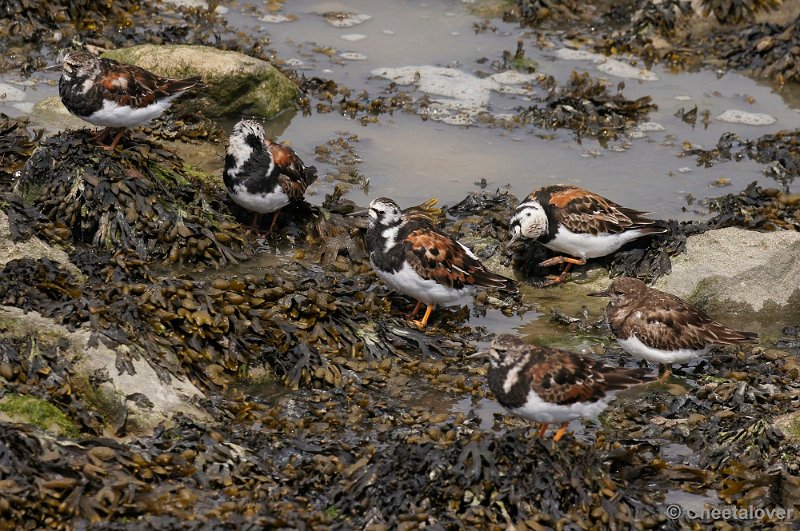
x: 114, y: 95
x: 577, y: 222
x: 413, y: 257
x: 550, y: 386
x: 262, y: 175
x: 662, y: 328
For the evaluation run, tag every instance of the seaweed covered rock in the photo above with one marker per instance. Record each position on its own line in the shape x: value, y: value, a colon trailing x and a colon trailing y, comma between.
x: 736, y: 11
x: 142, y: 198
x: 586, y: 106
x: 25, y: 22
x: 16, y: 145
x: 757, y: 36
x: 236, y: 84
x: 483, y: 481
x: 44, y: 360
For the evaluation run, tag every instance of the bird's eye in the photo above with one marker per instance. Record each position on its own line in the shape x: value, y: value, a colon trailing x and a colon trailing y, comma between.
x: 527, y: 214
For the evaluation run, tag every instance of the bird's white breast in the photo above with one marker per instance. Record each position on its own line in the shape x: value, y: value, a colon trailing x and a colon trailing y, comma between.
x: 588, y: 245
x: 538, y: 410
x: 261, y: 203
x: 634, y: 346
x: 111, y: 114
x: 408, y: 281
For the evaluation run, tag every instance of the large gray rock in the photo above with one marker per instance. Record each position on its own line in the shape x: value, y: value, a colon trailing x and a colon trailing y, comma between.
x: 735, y: 269
x: 236, y: 83
x: 111, y: 396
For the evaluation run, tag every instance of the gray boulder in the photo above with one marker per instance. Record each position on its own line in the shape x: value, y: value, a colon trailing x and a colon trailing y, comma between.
x: 736, y: 269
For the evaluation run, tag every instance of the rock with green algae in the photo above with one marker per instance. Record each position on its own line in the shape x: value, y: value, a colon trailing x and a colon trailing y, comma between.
x: 114, y: 395
x: 236, y: 84
x: 40, y: 413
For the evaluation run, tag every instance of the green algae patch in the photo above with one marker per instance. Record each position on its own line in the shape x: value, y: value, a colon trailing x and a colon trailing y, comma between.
x: 236, y: 83
x: 38, y: 412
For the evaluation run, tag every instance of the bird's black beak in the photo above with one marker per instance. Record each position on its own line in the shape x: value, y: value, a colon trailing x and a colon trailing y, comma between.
x: 603, y: 293
x: 478, y: 355
x: 358, y: 213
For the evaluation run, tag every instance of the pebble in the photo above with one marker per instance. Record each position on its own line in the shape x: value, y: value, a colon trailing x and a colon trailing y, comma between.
x: 736, y: 116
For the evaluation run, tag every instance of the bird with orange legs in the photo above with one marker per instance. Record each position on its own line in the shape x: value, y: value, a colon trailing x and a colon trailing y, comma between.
x: 413, y: 257
x: 576, y: 222
x: 553, y: 386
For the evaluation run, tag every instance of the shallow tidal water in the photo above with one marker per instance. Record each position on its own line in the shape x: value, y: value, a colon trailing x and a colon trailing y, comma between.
x: 411, y: 160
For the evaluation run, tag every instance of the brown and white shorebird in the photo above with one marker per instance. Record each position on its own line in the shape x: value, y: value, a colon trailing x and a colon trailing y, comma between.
x: 662, y: 328
x: 577, y: 222
x: 413, y: 257
x: 553, y: 386
x: 115, y: 95
x: 261, y: 175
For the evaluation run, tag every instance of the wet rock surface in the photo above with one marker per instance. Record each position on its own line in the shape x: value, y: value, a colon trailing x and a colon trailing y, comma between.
x: 734, y: 269
x: 143, y: 199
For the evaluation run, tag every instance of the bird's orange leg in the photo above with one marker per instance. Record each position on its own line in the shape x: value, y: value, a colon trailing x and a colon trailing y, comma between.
x: 274, y: 220
x: 414, y: 313
x: 543, y: 430
x: 666, y: 374
x: 115, y: 141
x: 556, y: 260
x: 560, y: 432
x: 424, y: 322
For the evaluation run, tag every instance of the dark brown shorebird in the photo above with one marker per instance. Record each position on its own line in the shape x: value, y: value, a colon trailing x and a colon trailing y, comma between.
x: 115, y: 95
x: 662, y: 328
x: 553, y: 386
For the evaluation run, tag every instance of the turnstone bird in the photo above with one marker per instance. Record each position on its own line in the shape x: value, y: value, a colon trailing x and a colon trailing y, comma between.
x: 577, y: 222
x: 662, y: 328
x: 114, y: 95
x: 411, y: 256
x: 262, y: 175
x: 550, y: 386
